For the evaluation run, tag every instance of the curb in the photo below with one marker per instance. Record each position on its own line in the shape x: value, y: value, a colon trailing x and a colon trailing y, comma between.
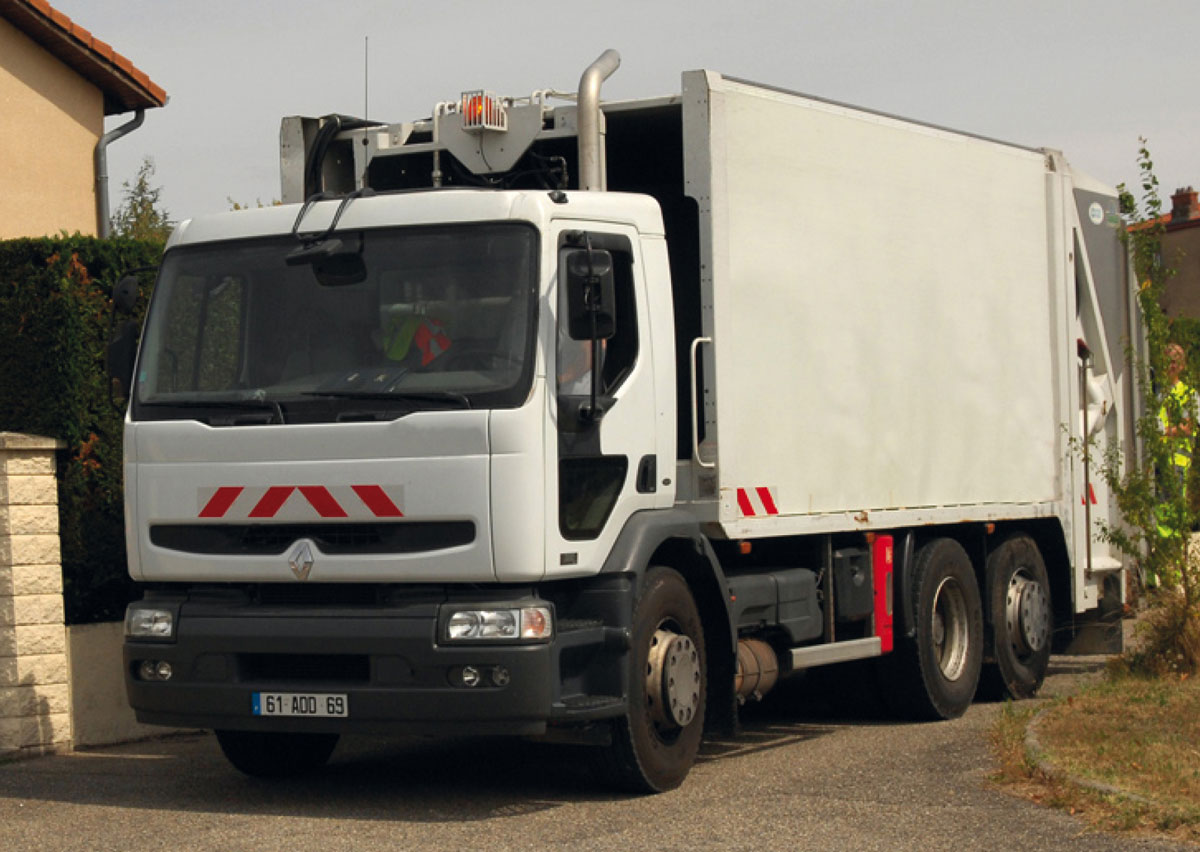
x: 1034, y: 752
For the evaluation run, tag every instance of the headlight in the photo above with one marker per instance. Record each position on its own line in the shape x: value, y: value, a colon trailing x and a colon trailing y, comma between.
x: 149, y: 623
x: 530, y: 623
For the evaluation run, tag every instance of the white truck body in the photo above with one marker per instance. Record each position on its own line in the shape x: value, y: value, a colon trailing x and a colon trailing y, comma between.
x: 905, y: 296
x: 838, y: 411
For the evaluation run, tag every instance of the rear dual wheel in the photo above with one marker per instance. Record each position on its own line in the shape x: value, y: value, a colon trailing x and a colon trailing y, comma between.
x: 1021, y: 618
x: 934, y: 675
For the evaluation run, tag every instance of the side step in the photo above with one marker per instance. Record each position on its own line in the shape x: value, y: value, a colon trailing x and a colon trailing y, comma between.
x: 580, y: 708
x: 836, y: 652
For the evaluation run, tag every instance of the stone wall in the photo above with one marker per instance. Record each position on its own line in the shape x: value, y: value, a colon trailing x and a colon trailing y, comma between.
x: 35, y: 692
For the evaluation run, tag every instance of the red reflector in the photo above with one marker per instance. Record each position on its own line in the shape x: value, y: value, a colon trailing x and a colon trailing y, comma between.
x: 882, y: 562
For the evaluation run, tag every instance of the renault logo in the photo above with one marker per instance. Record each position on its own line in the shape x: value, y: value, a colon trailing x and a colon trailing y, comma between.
x: 301, y: 561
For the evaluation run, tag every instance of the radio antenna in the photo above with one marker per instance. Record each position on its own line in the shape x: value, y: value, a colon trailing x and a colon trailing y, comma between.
x: 366, y: 106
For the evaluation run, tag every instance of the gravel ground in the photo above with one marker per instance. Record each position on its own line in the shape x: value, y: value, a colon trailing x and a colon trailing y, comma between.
x: 796, y: 778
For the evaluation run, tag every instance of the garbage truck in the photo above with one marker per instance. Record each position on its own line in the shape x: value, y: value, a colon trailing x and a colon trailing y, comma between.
x: 590, y: 421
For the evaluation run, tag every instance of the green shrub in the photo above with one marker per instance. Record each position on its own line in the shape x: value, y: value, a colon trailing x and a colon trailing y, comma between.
x: 1160, y: 510
x: 55, y: 315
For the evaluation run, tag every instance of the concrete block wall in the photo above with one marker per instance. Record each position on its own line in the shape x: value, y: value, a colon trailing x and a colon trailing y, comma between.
x: 35, y: 691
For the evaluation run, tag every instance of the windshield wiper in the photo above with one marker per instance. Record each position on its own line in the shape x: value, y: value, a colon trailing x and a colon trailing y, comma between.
x: 268, y: 405
x: 457, y: 399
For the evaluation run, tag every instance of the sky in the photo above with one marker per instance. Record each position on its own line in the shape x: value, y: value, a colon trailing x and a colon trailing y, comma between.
x: 1087, y: 77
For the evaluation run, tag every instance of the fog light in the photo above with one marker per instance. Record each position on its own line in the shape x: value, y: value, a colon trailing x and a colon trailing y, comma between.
x: 500, y: 676
x: 471, y: 676
x: 153, y: 670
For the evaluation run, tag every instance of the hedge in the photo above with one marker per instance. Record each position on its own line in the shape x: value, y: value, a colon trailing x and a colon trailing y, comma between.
x: 55, y: 315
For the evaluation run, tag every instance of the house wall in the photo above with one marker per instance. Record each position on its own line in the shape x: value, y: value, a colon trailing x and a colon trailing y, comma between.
x: 52, y: 120
x: 1181, y: 252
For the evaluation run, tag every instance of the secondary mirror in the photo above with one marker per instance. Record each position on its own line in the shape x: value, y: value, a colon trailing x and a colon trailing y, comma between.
x: 340, y: 270
x: 125, y: 294
x: 591, y: 303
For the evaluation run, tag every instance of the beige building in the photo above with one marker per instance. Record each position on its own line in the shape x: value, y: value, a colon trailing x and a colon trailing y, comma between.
x: 57, y: 83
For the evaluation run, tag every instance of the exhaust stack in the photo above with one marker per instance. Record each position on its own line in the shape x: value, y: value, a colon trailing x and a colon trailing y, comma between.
x: 592, y: 174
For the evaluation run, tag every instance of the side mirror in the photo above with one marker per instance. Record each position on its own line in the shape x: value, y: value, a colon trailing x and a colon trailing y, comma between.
x: 122, y: 352
x: 591, y: 300
x: 125, y: 295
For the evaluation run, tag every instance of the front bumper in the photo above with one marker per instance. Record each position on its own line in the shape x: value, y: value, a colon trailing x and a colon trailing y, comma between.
x: 385, y: 660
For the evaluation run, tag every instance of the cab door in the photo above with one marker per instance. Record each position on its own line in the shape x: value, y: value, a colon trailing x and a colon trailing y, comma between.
x: 607, y: 462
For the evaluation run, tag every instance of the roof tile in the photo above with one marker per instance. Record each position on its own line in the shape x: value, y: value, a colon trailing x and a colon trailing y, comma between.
x: 103, y: 48
x: 125, y: 86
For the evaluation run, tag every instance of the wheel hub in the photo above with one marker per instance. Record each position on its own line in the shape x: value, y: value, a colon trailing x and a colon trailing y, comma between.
x: 673, y: 679
x: 951, y: 636
x: 1027, y: 614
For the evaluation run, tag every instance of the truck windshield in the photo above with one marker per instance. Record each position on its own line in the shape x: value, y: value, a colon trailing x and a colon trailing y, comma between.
x: 433, y: 318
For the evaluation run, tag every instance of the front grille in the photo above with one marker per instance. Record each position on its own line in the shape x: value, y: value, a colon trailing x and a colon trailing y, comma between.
x: 324, y: 595
x: 310, y: 668
x: 332, y: 539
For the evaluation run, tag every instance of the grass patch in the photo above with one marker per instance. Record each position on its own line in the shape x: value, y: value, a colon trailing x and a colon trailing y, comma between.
x: 1134, y: 734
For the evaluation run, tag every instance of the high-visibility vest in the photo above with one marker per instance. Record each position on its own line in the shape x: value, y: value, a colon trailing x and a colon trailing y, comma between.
x: 428, y: 334
x: 1178, y: 407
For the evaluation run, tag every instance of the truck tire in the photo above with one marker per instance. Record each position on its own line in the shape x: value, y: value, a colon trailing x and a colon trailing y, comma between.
x: 655, y: 743
x: 934, y: 675
x: 1021, y: 618
x: 269, y: 754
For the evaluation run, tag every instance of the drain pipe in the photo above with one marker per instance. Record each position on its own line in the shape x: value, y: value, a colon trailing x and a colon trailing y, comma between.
x: 101, y: 161
x: 592, y: 174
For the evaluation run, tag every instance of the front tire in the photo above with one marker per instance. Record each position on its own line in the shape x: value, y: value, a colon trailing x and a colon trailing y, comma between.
x: 270, y: 754
x: 656, y: 742
x: 1021, y: 617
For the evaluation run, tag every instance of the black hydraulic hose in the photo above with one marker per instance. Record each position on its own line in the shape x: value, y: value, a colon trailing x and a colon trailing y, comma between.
x: 331, y: 126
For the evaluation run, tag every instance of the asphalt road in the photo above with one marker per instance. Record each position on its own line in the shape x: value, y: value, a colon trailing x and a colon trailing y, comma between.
x: 797, y: 778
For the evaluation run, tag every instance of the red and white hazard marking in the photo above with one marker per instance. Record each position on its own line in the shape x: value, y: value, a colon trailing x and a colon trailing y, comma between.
x: 301, y: 502
x: 756, y: 502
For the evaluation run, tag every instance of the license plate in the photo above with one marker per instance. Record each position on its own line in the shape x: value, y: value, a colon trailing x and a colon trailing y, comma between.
x: 315, y: 704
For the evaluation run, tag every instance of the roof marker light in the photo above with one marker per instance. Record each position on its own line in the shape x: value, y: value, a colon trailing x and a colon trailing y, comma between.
x: 483, y: 111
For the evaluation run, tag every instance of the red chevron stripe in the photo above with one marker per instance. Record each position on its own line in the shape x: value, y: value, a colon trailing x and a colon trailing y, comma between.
x: 272, y: 501
x: 221, y: 501
x: 322, y: 501
x: 768, y: 501
x: 744, y: 503
x: 377, y: 500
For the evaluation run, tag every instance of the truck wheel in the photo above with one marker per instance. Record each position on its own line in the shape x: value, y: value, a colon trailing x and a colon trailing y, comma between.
x: 655, y: 743
x: 939, y: 669
x: 268, y: 754
x: 1021, y: 617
